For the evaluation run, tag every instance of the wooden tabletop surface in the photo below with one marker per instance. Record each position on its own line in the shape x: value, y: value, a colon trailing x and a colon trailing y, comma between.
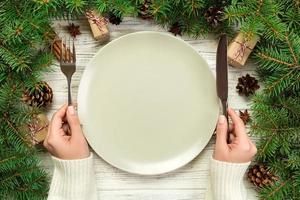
x: 186, y: 183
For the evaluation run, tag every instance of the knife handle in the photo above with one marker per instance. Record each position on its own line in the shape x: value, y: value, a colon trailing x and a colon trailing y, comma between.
x: 225, y: 113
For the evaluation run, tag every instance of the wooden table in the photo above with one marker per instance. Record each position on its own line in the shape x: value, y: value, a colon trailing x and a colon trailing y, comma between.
x: 186, y: 183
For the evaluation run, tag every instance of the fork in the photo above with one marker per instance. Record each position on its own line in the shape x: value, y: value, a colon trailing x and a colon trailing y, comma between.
x: 68, y: 64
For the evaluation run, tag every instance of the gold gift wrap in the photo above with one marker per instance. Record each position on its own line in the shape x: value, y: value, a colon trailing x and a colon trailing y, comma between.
x: 38, y: 129
x: 98, y: 26
x: 240, y: 49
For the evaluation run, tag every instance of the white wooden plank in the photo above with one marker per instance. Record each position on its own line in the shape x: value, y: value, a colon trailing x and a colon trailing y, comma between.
x: 186, y: 183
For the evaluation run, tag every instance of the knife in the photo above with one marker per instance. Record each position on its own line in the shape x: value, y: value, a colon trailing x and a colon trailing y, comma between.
x: 222, y: 76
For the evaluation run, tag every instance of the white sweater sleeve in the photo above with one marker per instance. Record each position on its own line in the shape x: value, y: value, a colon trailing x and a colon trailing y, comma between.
x: 73, y: 180
x: 226, y: 181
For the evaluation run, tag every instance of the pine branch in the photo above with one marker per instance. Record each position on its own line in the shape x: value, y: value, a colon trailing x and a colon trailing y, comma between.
x: 16, y: 62
x: 276, y: 60
x: 296, y: 59
x: 275, y: 190
x: 25, y: 26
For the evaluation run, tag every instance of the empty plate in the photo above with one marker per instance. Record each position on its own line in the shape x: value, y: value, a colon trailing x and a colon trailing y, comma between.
x: 148, y: 103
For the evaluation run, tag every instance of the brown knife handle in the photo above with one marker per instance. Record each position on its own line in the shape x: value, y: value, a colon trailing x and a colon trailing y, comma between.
x: 225, y: 113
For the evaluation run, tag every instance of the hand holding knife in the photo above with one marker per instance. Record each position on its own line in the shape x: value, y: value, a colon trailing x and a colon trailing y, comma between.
x: 222, y: 75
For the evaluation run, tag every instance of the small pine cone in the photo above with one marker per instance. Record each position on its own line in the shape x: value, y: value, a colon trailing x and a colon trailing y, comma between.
x: 40, y: 96
x: 213, y: 16
x: 175, y: 29
x: 144, y: 11
x: 260, y: 176
x: 114, y: 19
x: 247, y: 85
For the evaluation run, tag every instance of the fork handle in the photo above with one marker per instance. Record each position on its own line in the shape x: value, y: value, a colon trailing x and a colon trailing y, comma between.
x: 69, y: 92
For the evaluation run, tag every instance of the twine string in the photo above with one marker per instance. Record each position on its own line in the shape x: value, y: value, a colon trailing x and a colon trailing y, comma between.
x: 100, y: 22
x: 35, y: 128
x: 239, y: 54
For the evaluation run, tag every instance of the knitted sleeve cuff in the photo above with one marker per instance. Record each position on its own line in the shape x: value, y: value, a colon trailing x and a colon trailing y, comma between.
x: 73, y: 179
x: 227, y: 180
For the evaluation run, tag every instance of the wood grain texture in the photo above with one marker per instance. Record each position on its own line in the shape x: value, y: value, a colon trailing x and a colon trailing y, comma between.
x: 186, y: 183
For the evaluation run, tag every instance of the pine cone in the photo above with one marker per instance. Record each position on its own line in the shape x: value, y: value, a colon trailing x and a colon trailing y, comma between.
x: 114, y: 19
x: 175, y: 29
x: 247, y: 85
x: 40, y: 96
x: 245, y: 116
x: 261, y: 176
x: 213, y: 16
x: 73, y: 30
x: 144, y: 11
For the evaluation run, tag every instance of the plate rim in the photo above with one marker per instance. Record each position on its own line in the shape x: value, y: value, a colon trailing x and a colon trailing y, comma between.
x: 80, y: 100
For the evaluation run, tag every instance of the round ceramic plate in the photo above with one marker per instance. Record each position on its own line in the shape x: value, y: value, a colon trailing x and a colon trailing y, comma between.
x: 148, y: 103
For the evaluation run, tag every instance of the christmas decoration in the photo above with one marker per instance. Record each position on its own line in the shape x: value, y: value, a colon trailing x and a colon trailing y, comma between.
x: 38, y: 129
x: 275, y: 117
x: 213, y: 16
x: 240, y: 49
x: 175, y: 29
x: 57, y: 47
x: 245, y: 116
x: 261, y: 176
x: 40, y: 95
x: 144, y: 11
x: 247, y: 85
x: 73, y: 30
x: 114, y: 19
x: 275, y: 110
x: 98, y: 26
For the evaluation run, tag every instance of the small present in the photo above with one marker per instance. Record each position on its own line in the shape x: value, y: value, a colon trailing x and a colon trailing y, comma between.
x: 38, y: 129
x: 98, y: 26
x: 240, y: 49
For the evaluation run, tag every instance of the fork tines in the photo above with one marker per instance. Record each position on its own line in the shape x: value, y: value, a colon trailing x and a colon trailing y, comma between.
x: 66, y: 55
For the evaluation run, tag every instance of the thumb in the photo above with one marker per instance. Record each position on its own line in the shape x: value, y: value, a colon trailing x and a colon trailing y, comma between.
x: 73, y: 121
x: 221, y: 142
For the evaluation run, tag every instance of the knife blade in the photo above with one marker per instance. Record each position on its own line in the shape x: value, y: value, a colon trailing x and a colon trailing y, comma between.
x: 222, y: 75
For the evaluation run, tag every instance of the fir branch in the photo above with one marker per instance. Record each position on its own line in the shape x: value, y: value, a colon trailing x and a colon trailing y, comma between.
x: 281, y: 129
x: 296, y: 61
x: 16, y: 132
x: 276, y: 114
x: 17, y: 62
x: 16, y: 174
x: 275, y: 190
x: 276, y: 60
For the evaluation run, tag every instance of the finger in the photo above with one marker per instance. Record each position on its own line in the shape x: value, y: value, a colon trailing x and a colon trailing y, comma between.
x: 66, y: 129
x: 67, y: 137
x: 231, y: 137
x: 231, y: 128
x: 48, y: 133
x: 232, y: 145
x: 57, y: 119
x: 75, y: 105
x: 253, y: 147
x: 221, y: 141
x: 238, y: 123
x: 73, y: 122
x: 45, y: 143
